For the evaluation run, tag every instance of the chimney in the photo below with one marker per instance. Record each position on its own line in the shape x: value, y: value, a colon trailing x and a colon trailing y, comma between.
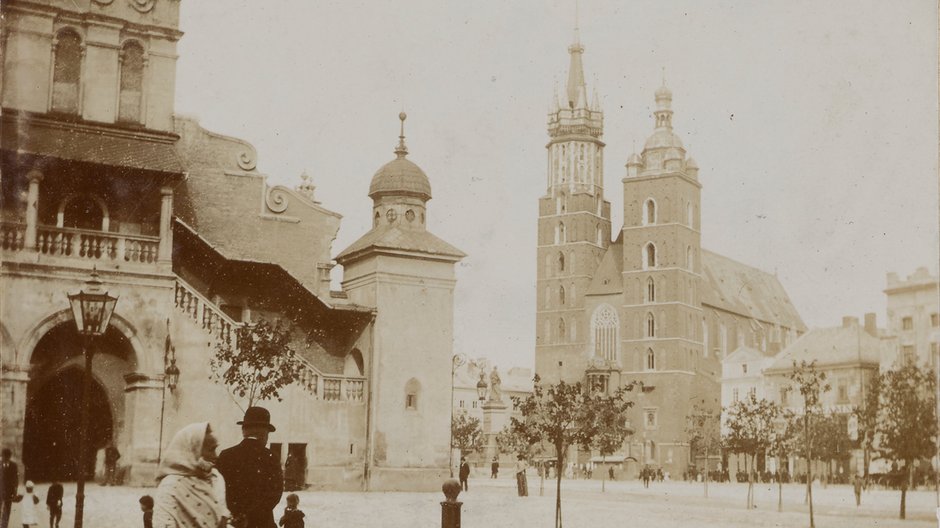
x: 871, y: 324
x: 848, y: 321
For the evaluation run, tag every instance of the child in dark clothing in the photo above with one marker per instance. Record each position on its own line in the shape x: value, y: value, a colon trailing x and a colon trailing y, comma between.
x: 292, y: 518
x: 146, y: 506
x: 54, y: 504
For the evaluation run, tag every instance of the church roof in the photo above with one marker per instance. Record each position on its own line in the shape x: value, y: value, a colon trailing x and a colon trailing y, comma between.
x: 839, y: 346
x: 608, y: 279
x: 726, y: 284
x: 395, y: 238
x: 739, y: 288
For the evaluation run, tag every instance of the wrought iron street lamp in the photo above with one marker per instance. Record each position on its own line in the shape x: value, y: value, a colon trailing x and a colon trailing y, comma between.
x: 92, y: 308
x: 172, y: 374
x: 481, y: 386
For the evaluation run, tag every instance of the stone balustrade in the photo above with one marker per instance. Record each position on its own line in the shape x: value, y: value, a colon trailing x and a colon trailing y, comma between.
x: 217, y: 323
x: 82, y: 243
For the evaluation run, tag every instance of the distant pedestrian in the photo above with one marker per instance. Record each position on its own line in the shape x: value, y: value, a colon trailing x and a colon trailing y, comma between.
x: 111, y: 457
x: 146, y: 506
x: 9, y: 481
x: 610, y: 472
x: 494, y: 468
x: 293, y: 517
x: 28, y: 515
x: 54, y: 504
x: 253, y: 479
x: 522, y: 484
x: 464, y: 474
x: 293, y: 473
x: 857, y: 487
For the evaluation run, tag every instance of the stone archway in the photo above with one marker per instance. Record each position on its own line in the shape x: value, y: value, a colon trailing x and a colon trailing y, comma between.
x: 54, y: 394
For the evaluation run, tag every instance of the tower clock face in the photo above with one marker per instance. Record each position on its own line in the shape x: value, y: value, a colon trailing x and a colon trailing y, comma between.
x: 391, y: 215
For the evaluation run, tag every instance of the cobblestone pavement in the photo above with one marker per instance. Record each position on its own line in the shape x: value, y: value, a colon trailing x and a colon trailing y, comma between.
x: 493, y: 504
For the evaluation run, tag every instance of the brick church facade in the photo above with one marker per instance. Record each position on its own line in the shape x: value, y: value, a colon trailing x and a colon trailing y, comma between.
x: 644, y: 302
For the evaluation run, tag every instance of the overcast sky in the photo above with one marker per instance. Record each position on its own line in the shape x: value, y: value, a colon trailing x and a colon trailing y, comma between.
x: 814, y: 123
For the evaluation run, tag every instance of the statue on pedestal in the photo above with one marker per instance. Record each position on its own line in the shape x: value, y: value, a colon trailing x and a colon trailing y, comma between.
x: 496, y: 390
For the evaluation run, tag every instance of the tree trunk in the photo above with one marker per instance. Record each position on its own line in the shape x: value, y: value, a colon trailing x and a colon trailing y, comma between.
x: 706, y: 467
x: 904, y: 485
x: 809, y: 469
x: 779, y: 485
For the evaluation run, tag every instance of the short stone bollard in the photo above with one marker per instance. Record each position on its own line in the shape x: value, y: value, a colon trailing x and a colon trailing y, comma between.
x: 450, y: 508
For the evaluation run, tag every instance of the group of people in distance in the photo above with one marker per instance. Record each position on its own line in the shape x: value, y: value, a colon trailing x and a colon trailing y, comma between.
x: 522, y: 486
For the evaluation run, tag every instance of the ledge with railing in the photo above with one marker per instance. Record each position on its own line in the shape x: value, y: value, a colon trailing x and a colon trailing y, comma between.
x: 213, y: 320
x: 81, y: 243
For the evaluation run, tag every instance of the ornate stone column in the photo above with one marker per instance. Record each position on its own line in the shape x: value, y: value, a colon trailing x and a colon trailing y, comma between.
x: 165, y: 251
x: 140, y: 440
x: 32, y: 209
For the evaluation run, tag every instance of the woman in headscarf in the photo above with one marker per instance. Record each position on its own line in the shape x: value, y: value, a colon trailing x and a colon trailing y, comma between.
x: 188, y: 495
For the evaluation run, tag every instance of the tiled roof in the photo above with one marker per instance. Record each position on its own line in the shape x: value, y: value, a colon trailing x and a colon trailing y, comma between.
x: 396, y: 238
x: 90, y: 143
x: 609, y: 279
x: 742, y: 289
x: 831, y: 347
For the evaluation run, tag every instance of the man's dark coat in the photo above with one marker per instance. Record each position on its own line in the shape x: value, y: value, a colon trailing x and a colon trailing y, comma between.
x: 253, y: 482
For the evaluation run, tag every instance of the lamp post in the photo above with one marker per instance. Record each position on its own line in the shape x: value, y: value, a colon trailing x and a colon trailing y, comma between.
x: 171, y: 377
x: 91, y: 311
x: 457, y: 361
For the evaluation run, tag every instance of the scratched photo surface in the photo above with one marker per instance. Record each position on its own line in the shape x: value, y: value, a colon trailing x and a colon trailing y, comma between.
x: 296, y: 263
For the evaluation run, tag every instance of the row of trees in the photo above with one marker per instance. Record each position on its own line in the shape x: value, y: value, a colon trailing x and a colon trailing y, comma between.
x: 897, y: 422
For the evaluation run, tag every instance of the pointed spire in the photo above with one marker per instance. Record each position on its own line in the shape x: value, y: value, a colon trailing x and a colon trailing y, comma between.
x: 402, y: 150
x: 595, y: 99
x: 575, y: 69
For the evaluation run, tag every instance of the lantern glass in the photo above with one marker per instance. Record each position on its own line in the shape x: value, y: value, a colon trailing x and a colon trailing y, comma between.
x: 172, y: 375
x: 481, y: 389
x: 92, y: 309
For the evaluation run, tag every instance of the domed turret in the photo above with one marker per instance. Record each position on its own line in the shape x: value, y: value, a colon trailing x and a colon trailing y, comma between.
x: 400, y: 177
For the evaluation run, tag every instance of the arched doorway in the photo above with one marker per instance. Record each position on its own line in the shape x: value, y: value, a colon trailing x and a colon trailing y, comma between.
x: 54, y: 397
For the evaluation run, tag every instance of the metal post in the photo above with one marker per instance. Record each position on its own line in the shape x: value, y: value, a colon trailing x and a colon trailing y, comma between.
x: 83, y: 446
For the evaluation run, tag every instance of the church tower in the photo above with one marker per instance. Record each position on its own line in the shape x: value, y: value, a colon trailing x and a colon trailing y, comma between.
x: 662, y: 345
x: 573, y: 226
x: 406, y: 274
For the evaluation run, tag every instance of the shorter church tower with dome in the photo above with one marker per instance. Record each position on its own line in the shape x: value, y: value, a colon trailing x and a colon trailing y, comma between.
x: 406, y: 274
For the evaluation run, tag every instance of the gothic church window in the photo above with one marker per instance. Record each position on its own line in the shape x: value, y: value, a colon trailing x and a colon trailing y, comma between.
x: 132, y: 83
x: 650, y: 290
x: 649, y: 256
x: 560, y: 236
x: 605, y: 329
x: 649, y: 212
x: 561, y: 295
x: 561, y: 261
x: 650, y: 359
x: 650, y: 325
x: 562, y: 330
x: 66, y: 72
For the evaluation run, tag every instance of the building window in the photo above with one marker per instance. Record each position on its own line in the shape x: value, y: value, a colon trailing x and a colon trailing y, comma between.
x: 650, y: 359
x: 412, y: 390
x: 752, y: 393
x: 66, y: 73
x: 843, y: 392
x: 462, y: 404
x: 649, y: 256
x: 560, y: 236
x: 474, y: 404
x: 907, y: 355
x: 784, y: 392
x: 907, y: 323
x: 649, y: 212
x: 934, y: 319
x: 132, y: 83
x: 605, y: 327
x: 650, y: 325
x: 649, y: 418
x: 734, y: 395
x: 650, y: 290
x: 744, y: 368
x: 561, y: 295
x: 561, y: 330
x: 561, y: 261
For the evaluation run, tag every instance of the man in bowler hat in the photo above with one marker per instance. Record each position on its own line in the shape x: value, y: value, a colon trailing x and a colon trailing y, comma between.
x: 253, y: 479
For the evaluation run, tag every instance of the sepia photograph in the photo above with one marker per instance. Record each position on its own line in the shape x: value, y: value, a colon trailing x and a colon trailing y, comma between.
x: 336, y: 262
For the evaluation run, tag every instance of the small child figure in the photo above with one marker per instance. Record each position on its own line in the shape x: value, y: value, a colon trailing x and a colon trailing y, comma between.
x: 292, y: 518
x: 54, y: 504
x: 146, y: 506
x: 28, y: 514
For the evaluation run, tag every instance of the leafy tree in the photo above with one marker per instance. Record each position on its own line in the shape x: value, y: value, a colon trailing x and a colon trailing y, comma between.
x: 831, y: 439
x: 750, y: 426
x: 810, y: 382
x: 785, y: 433
x: 867, y: 415
x: 703, y: 429
x: 611, y: 431
x: 907, y: 422
x: 261, y: 362
x: 565, y: 415
x: 466, y: 434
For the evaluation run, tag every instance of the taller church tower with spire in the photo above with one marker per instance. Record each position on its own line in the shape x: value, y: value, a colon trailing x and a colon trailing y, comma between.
x: 574, y: 222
